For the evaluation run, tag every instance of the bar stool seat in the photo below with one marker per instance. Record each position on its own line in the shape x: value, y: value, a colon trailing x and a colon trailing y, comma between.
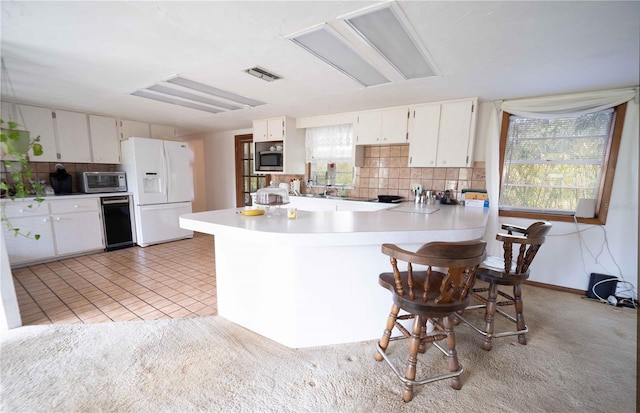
x: 506, y: 271
x: 434, y: 295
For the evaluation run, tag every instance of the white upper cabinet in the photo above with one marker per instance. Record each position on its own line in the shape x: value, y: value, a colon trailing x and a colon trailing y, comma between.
x: 276, y: 128
x: 367, y: 128
x: 260, y: 133
x: 273, y: 129
x: 424, y: 124
x: 105, y: 144
x: 78, y: 137
x: 281, y: 130
x: 457, y: 134
x: 381, y: 126
x: 163, y: 132
x: 73, y: 136
x: 443, y: 134
x: 38, y: 121
x: 130, y: 128
x: 393, y: 128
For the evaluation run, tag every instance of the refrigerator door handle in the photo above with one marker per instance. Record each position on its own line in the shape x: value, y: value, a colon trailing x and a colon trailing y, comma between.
x: 167, y: 168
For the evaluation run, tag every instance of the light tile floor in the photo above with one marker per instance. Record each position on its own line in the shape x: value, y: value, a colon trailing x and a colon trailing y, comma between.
x: 170, y: 280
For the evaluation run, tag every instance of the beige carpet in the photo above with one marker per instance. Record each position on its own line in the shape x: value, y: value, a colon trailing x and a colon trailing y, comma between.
x: 581, y: 357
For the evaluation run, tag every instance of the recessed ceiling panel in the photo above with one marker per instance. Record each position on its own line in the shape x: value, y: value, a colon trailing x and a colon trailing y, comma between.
x: 384, y: 30
x: 327, y: 45
x: 195, y: 95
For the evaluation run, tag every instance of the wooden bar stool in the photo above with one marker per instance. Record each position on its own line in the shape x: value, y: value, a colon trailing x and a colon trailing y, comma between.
x: 506, y: 272
x: 428, y: 295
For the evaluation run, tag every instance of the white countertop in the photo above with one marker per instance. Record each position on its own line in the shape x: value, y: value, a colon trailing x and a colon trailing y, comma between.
x: 31, y: 198
x: 402, y: 223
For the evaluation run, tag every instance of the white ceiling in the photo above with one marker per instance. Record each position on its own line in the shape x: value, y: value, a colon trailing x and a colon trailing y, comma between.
x: 89, y: 56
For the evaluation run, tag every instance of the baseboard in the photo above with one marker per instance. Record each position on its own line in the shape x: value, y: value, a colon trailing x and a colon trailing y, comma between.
x: 555, y: 287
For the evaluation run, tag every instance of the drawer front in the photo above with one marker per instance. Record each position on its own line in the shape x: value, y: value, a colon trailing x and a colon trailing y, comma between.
x: 17, y: 209
x: 75, y: 205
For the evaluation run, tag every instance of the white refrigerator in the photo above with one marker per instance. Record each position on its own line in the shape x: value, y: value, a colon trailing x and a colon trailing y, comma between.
x: 160, y: 177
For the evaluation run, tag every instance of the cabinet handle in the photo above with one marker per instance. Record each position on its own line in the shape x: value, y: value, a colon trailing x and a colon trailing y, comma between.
x: 21, y: 210
x: 57, y: 218
x: 75, y: 206
x: 44, y: 220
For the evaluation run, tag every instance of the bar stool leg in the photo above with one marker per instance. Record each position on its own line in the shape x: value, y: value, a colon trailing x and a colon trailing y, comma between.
x: 386, y: 335
x: 489, y: 315
x: 517, y: 297
x: 452, y: 355
x: 410, y: 369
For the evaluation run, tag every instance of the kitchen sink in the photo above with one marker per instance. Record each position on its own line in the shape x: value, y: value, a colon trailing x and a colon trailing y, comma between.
x: 343, y: 198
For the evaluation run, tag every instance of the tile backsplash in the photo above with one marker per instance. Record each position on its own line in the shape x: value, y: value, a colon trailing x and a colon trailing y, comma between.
x: 41, y: 171
x: 385, y: 172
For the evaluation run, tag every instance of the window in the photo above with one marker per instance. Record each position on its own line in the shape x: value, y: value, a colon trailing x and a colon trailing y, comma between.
x: 547, y: 165
x: 330, y: 144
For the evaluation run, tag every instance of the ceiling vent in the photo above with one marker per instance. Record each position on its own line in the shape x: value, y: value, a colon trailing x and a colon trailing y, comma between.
x: 180, y: 91
x: 260, y: 73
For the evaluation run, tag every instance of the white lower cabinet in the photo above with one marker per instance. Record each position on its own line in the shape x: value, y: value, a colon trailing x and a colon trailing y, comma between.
x: 77, y: 225
x: 66, y: 227
x: 23, y: 250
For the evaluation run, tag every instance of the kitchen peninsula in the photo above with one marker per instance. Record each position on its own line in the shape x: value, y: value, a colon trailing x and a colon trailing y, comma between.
x: 312, y: 280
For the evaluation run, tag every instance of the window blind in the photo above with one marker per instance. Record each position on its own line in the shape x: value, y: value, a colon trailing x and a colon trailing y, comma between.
x: 550, y: 164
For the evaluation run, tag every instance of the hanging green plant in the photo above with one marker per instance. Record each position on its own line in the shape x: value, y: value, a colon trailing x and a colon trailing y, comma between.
x: 15, y: 145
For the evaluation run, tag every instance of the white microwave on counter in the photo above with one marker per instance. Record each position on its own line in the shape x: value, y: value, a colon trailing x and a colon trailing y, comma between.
x: 102, y: 182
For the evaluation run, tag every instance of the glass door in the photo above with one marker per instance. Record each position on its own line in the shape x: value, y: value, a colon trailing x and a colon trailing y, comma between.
x: 247, y: 181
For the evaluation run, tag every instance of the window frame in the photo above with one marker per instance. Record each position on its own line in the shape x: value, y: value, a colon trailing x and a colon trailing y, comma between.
x: 312, y: 164
x: 606, y: 179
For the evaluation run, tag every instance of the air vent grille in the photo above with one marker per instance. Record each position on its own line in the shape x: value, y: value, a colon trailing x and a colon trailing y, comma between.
x: 260, y: 73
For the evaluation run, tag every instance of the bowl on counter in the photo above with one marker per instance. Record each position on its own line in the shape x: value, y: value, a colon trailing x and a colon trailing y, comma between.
x: 390, y: 199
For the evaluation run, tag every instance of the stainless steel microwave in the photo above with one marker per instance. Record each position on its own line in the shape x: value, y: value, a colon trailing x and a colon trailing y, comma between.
x: 99, y: 182
x: 270, y: 161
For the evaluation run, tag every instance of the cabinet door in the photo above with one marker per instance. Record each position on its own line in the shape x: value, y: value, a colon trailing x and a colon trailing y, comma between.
x: 38, y: 121
x: 455, y: 134
x: 129, y: 128
x: 163, y: 132
x: 276, y: 129
x: 77, y: 232
x: 367, y: 128
x: 73, y: 136
x: 424, y: 125
x: 25, y: 250
x: 104, y: 139
x: 260, y: 131
x: 393, y: 128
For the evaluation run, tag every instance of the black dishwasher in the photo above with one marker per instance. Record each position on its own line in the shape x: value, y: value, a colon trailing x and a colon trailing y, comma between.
x: 116, y: 215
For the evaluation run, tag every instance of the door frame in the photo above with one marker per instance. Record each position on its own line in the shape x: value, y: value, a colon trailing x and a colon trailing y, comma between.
x: 239, y: 141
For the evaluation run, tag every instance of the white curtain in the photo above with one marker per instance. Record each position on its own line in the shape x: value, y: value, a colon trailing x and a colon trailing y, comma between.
x: 329, y: 143
x: 573, y: 105
x: 548, y: 107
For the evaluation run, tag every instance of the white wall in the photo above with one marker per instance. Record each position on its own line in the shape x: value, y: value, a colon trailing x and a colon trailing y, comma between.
x: 565, y: 260
x: 219, y: 155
